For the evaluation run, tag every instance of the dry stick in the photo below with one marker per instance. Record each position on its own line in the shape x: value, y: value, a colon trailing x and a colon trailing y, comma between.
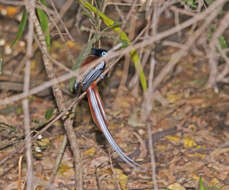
x: 148, y: 96
x: 61, y: 21
x: 111, y: 55
x: 123, y: 4
x: 148, y: 107
x: 147, y: 104
x: 10, y: 2
x: 61, y: 106
x: 58, y: 160
x: 152, y: 156
x: 19, y: 187
x: 212, y: 53
x: 173, y: 44
x: 25, y: 102
x: 182, y: 11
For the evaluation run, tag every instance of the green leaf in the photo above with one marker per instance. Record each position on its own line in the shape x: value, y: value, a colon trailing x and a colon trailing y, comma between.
x: 123, y: 37
x: 112, y: 27
x: 43, y: 2
x: 190, y: 3
x: 43, y: 18
x: 49, y: 113
x: 124, y: 43
x: 21, y: 27
x: 71, y: 83
x: 201, y: 184
x: 223, y: 42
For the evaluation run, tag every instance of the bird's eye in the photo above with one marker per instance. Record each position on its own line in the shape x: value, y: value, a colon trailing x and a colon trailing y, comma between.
x: 103, y: 53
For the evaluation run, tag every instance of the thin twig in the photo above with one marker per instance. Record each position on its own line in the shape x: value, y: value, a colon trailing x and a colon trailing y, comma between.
x: 20, y: 173
x: 153, y: 163
x: 58, y: 160
x: 10, y: 2
x: 60, y: 19
x: 29, y: 185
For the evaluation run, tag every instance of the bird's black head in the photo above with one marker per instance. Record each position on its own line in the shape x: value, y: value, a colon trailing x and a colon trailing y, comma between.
x: 98, y: 52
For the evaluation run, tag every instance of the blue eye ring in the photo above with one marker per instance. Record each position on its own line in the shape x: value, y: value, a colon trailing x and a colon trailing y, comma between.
x: 103, y: 53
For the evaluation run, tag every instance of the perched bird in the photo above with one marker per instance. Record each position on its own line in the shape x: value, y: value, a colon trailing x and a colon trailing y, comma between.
x: 95, y: 103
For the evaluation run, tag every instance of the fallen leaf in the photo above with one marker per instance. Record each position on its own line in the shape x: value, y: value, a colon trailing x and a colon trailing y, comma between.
x: 176, y: 186
x: 66, y: 171
x: 189, y: 143
x: 90, y: 152
x: 122, y: 178
x: 173, y: 98
x: 173, y: 138
x: 214, y: 182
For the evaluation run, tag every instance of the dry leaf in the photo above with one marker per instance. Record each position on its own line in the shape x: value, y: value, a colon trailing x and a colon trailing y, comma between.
x: 176, y: 186
x: 173, y: 139
x: 214, y: 182
x: 173, y: 98
x: 90, y: 152
x: 66, y: 171
x: 122, y: 178
x: 189, y: 143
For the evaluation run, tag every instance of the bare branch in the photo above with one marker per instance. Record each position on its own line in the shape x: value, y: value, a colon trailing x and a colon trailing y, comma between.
x: 29, y: 185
